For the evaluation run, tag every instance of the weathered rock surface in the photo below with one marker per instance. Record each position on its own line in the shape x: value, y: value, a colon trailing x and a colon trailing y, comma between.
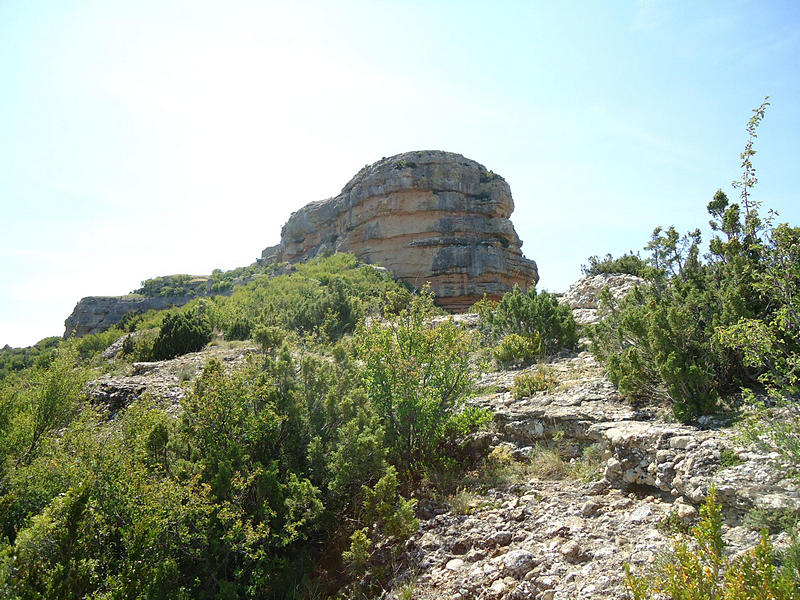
x: 428, y: 216
x: 583, y: 296
x: 165, y: 381
x: 567, y: 539
x: 94, y: 314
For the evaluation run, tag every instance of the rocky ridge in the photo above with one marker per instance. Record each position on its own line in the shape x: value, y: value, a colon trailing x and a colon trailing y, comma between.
x: 430, y: 217
x: 583, y: 296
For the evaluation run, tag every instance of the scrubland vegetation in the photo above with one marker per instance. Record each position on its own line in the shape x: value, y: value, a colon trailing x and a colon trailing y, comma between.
x: 715, y: 332
x: 310, y: 450
x: 303, y: 467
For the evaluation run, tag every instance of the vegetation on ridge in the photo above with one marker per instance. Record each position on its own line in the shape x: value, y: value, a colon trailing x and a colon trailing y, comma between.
x: 307, y: 449
x: 704, y: 326
x: 305, y: 464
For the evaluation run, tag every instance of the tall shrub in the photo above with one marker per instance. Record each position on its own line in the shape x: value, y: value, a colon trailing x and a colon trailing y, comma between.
x: 181, y: 333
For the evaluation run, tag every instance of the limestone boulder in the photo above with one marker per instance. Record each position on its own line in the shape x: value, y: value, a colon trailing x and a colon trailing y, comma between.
x: 583, y: 296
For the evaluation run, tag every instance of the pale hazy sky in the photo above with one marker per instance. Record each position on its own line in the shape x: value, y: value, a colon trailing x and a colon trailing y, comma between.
x: 150, y: 137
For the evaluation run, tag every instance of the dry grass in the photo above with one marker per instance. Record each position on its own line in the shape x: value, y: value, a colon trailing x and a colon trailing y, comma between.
x: 547, y: 463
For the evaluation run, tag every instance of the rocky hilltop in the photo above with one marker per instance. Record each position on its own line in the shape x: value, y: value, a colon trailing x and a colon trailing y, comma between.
x: 428, y: 216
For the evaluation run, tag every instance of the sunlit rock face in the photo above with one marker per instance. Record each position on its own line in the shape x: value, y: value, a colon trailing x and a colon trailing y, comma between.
x: 94, y: 314
x: 430, y: 217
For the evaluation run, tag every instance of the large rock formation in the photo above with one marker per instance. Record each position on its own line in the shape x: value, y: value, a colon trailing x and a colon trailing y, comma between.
x: 428, y: 216
x: 94, y: 314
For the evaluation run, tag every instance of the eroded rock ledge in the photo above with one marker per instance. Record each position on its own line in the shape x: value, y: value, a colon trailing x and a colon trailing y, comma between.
x: 428, y: 216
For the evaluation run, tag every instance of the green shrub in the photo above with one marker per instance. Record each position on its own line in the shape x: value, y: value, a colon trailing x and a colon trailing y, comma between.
x: 533, y: 315
x: 89, y: 346
x: 130, y: 321
x: 520, y: 349
x: 773, y: 520
x: 525, y: 384
x: 391, y: 513
x: 240, y: 329
x: 704, y: 328
x: 416, y: 378
x: 181, y: 333
x: 698, y: 568
x: 630, y: 264
x: 661, y: 346
x: 128, y: 345
x: 357, y: 556
x: 170, y: 285
x: 729, y: 458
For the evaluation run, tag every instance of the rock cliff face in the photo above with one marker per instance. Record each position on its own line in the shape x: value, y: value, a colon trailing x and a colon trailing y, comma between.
x: 427, y: 216
x: 94, y: 314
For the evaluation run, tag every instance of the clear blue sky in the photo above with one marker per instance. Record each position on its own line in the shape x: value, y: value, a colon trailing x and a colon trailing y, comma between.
x: 153, y: 137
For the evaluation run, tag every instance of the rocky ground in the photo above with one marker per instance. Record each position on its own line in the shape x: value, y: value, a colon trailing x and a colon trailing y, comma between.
x: 543, y: 539
x: 165, y: 380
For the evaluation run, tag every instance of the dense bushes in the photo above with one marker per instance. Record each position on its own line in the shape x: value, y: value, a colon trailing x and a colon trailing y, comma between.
x: 631, y: 264
x: 530, y: 324
x: 13, y: 360
x: 181, y: 333
x: 293, y: 456
x: 704, y: 327
x: 661, y: 345
x: 416, y: 377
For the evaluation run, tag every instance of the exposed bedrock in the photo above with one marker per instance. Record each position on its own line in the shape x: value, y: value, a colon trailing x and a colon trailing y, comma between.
x: 94, y: 314
x: 428, y: 216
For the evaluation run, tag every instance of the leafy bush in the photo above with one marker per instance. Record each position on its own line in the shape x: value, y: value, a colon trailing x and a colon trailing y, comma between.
x: 520, y: 349
x: 181, y: 333
x: 532, y: 315
x: 240, y: 329
x: 393, y: 514
x: 89, y: 346
x: 703, y: 329
x: 525, y: 384
x: 661, y: 346
x: 631, y: 264
x: 773, y: 520
x: 416, y: 377
x: 698, y: 568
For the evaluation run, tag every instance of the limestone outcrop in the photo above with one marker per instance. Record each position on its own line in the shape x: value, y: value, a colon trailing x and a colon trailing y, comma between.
x: 94, y: 314
x: 583, y: 296
x: 428, y: 216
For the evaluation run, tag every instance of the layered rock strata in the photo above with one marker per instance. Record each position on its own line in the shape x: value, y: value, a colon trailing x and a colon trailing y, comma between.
x: 430, y: 217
